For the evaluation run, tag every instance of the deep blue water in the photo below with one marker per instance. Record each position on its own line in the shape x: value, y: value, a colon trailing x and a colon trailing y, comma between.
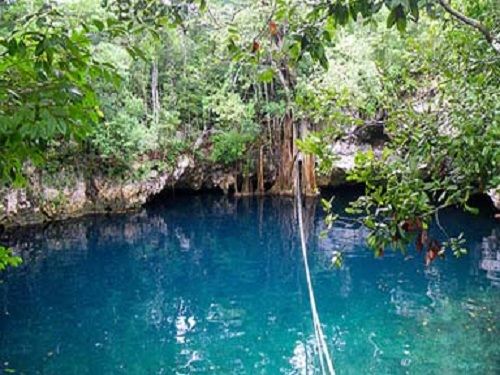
x: 216, y: 285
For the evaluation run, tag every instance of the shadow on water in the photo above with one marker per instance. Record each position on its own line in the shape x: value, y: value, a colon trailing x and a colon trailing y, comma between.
x: 215, y: 284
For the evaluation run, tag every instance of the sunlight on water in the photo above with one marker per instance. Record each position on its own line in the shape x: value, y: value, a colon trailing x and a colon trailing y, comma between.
x: 216, y: 285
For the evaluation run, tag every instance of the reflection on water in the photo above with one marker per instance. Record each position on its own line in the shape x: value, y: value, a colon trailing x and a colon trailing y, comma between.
x: 216, y: 285
x: 490, y: 256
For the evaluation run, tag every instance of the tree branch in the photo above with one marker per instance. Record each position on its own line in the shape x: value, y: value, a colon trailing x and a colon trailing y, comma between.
x: 473, y: 23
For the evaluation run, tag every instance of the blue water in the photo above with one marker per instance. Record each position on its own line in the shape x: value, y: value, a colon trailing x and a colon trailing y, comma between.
x: 216, y: 285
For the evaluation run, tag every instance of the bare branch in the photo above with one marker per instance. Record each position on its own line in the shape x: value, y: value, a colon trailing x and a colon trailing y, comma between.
x: 473, y: 23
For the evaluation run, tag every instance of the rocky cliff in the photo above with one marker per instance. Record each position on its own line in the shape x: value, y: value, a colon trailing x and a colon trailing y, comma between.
x: 71, y: 195
x: 66, y: 194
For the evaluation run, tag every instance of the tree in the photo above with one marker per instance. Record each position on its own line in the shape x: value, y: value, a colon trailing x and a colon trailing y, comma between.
x: 49, y: 74
x: 408, y: 187
x: 107, y: 87
x: 437, y: 157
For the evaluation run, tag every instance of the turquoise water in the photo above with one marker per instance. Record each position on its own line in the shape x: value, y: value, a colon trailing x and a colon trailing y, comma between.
x: 216, y: 285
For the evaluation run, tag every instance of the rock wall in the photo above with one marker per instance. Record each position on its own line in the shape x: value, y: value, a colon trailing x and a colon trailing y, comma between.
x: 69, y: 194
x: 370, y: 136
x: 66, y: 194
x: 72, y: 195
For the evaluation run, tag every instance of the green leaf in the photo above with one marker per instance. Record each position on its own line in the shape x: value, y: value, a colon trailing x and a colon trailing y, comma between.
x: 267, y: 75
x: 472, y: 210
x: 414, y: 10
x: 391, y: 18
x: 340, y: 13
x: 99, y: 24
x: 12, y: 47
x: 401, y: 23
x: 295, y: 50
x: 8, y: 259
x: 40, y: 47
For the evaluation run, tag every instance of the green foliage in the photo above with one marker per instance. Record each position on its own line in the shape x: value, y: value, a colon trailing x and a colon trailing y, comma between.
x: 353, y: 80
x: 318, y: 146
x: 444, y: 132
x: 231, y: 146
x: 337, y: 259
x: 46, y: 71
x: 119, y: 140
x: 136, y: 82
x: 234, y: 121
x: 7, y: 259
x: 50, y: 69
x: 230, y: 110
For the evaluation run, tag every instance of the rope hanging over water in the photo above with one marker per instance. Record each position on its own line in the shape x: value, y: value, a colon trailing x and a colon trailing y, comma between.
x: 324, y: 354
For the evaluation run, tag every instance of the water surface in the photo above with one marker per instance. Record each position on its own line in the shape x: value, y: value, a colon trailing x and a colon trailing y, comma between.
x: 216, y: 285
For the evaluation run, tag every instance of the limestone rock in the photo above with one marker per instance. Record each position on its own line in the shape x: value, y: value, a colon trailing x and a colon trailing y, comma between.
x: 494, y: 195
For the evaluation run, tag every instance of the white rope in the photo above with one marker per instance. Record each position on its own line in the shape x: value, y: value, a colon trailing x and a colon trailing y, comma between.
x: 324, y: 354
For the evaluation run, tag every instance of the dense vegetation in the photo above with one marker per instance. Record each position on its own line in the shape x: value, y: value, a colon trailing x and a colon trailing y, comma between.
x: 124, y: 87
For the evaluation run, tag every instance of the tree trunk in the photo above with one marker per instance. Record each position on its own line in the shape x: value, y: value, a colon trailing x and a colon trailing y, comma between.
x: 284, y: 184
x: 246, y: 186
x: 260, y: 172
x: 155, y: 97
x: 285, y: 177
x: 309, y: 187
x: 236, y: 192
x: 289, y: 133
